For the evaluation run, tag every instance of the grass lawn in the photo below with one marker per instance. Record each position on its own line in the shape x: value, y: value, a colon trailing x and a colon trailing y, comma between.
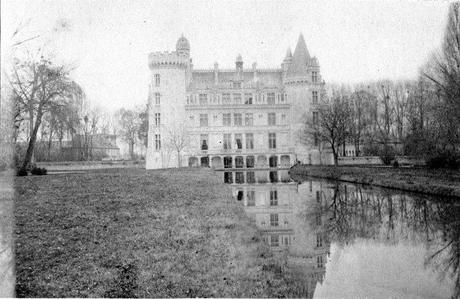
x: 138, y: 233
x: 442, y: 182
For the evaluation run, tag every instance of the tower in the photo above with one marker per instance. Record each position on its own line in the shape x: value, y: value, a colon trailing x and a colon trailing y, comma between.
x: 167, y: 99
x: 302, y: 84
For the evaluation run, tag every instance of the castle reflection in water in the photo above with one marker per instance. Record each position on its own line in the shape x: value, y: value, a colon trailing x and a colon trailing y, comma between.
x: 300, y: 221
x: 283, y: 214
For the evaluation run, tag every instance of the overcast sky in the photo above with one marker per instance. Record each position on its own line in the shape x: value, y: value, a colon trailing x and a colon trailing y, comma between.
x: 109, y: 41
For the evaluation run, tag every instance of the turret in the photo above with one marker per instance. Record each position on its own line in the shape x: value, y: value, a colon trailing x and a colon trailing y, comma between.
x: 287, y: 61
x: 183, y: 46
x: 239, y: 66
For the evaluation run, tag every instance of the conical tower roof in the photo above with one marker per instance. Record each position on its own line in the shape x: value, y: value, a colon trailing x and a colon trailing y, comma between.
x: 300, y: 59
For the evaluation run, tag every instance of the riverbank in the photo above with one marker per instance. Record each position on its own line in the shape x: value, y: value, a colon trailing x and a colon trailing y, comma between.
x: 436, y: 182
x: 138, y: 233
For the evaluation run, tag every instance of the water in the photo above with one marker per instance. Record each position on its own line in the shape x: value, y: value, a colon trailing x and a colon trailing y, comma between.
x: 347, y: 240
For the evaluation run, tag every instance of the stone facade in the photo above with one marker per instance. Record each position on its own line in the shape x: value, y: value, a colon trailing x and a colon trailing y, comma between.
x: 231, y: 118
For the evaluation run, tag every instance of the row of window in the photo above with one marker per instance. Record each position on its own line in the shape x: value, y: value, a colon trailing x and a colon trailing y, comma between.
x: 250, y: 177
x: 238, y: 119
x: 250, y: 160
x: 227, y: 100
x: 236, y: 98
x: 314, y: 79
x: 227, y: 144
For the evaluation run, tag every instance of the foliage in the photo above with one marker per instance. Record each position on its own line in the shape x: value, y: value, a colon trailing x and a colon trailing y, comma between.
x: 21, y: 172
x: 444, y: 160
x: 38, y: 171
x: 387, y: 154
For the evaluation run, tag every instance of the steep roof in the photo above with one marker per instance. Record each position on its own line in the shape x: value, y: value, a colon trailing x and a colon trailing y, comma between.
x: 300, y: 59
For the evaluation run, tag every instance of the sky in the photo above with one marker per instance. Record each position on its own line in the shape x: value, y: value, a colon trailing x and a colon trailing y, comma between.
x: 108, y: 41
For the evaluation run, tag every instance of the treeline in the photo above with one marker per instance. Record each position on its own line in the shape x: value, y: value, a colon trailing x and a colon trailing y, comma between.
x: 416, y: 118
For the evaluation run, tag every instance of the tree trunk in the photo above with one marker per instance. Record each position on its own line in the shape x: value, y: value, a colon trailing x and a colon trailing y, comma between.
x: 50, y: 141
x: 179, y: 162
x: 33, y: 138
x: 131, y: 150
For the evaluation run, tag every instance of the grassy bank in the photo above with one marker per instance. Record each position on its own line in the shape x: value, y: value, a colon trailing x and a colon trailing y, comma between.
x: 138, y: 233
x: 436, y: 182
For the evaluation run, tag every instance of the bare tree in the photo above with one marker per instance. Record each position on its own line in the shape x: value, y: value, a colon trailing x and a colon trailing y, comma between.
x: 177, y: 140
x: 129, y: 121
x: 331, y: 123
x: 38, y: 86
x: 444, y: 72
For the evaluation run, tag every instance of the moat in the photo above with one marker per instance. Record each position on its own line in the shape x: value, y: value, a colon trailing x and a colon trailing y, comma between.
x: 347, y: 240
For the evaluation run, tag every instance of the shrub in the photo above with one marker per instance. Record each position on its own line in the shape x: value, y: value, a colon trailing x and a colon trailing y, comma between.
x: 21, y: 172
x: 443, y: 160
x: 387, y: 154
x: 395, y: 163
x: 39, y: 171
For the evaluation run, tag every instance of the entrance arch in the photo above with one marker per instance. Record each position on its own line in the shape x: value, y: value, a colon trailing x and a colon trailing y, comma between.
x: 193, y: 162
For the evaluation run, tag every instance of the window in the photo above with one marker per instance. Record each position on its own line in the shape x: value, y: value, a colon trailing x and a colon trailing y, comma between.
x: 227, y: 141
x: 272, y: 140
x: 203, y: 99
x: 248, y: 98
x: 157, y: 119
x: 248, y: 120
x: 227, y: 119
x: 238, y: 119
x: 249, y: 141
x: 318, y: 196
x: 250, y: 177
x: 227, y: 162
x: 251, y: 197
x: 250, y: 161
x: 273, y: 219
x: 203, y: 120
x: 271, y: 98
x: 314, y: 77
x: 236, y: 84
x: 157, y: 142
x: 274, y: 241
x: 239, y: 162
x: 237, y: 98
x: 226, y: 100
x: 319, y: 261
x: 273, y: 161
x: 157, y: 80
x: 316, y: 139
x: 157, y: 98
x: 240, y: 194
x: 273, y: 198
x: 204, y: 142
x: 272, y: 119
x: 273, y: 176
x: 314, y: 97
x: 319, y: 240
x: 239, y: 141
x: 318, y: 219
x: 315, y: 117
x: 283, y: 118
x: 228, y: 177
x: 239, y: 177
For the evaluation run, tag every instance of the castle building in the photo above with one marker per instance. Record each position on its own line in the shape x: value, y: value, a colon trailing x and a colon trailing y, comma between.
x: 246, y: 117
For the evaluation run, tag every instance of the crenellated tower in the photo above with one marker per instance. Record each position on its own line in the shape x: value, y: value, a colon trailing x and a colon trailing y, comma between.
x: 168, y: 81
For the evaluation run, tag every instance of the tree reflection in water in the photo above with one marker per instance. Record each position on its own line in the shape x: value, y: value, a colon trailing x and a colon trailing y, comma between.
x: 355, y: 212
